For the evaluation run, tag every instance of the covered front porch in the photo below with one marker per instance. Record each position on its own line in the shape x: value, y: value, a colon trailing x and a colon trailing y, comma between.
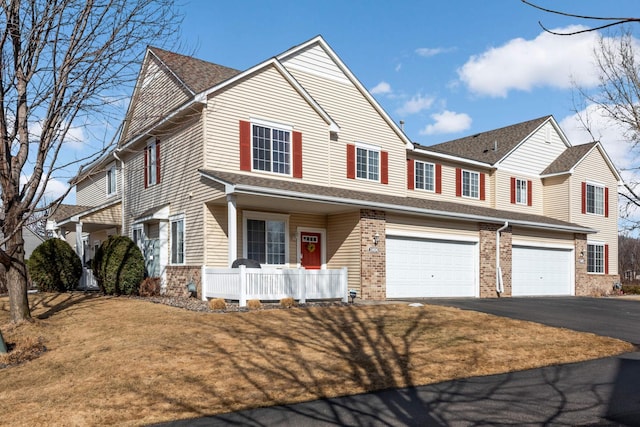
x: 85, y: 228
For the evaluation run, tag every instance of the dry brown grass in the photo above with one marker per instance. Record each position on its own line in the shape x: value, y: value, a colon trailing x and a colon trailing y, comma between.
x: 130, y: 362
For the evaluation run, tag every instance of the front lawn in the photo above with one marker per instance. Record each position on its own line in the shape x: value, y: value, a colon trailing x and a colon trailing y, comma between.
x: 123, y: 361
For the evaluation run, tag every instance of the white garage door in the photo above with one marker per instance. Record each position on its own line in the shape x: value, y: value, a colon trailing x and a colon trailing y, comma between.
x: 419, y: 268
x: 541, y: 271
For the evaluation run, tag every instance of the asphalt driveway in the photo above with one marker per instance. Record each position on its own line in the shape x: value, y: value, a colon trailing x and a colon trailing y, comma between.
x: 612, y: 317
x: 603, y: 392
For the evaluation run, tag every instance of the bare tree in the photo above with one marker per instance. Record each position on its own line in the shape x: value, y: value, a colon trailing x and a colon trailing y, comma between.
x: 608, y: 21
x: 61, y: 64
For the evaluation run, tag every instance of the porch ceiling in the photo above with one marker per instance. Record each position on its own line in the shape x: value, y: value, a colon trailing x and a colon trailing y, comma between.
x: 286, y: 204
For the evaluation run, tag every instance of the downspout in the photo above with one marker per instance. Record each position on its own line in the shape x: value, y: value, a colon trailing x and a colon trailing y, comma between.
x: 122, y: 182
x: 499, y: 284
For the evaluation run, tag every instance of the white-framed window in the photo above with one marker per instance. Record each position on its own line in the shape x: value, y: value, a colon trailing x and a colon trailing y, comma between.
x: 471, y: 184
x: 271, y: 147
x: 594, y: 199
x: 425, y: 176
x: 177, y: 239
x: 112, y: 180
x: 367, y: 162
x: 521, y: 191
x: 266, y: 237
x: 595, y: 258
x: 152, y: 163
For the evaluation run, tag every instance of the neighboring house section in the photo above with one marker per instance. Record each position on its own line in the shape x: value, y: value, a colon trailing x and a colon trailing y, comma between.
x: 292, y: 163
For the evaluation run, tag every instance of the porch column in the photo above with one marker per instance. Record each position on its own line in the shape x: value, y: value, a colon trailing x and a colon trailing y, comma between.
x: 232, y: 226
x: 79, y: 242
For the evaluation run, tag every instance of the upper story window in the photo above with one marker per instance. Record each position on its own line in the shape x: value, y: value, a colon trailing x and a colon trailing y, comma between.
x: 521, y: 191
x: 367, y: 162
x: 152, y: 163
x: 266, y: 238
x: 471, y: 184
x: 425, y: 176
x: 271, y: 148
x: 594, y: 199
x: 112, y: 180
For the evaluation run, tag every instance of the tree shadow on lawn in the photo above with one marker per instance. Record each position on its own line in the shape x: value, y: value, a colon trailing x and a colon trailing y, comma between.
x: 570, y: 394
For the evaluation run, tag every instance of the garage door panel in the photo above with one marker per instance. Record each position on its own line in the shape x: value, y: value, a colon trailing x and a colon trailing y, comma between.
x: 430, y: 268
x: 541, y: 271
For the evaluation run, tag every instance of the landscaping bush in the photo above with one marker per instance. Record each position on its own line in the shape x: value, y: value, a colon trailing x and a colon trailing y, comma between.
x: 217, y: 304
x: 150, y: 287
x: 118, y: 266
x: 54, y: 266
x: 631, y: 289
x: 287, y: 302
x: 254, y: 304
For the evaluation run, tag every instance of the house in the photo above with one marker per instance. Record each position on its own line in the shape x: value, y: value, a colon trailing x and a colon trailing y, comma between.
x: 294, y: 164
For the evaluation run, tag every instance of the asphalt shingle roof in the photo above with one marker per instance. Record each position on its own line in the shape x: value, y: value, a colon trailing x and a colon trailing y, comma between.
x: 410, y: 202
x: 480, y: 147
x: 568, y: 159
x: 197, y: 75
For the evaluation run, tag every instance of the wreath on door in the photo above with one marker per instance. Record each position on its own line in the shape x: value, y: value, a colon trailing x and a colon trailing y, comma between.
x: 311, y: 247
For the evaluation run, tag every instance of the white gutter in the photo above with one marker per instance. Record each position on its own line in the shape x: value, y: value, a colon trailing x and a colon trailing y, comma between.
x: 122, y: 182
x: 499, y: 284
x: 454, y: 158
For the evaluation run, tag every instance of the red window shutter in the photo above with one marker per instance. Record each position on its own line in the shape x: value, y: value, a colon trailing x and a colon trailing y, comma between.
x: 482, y: 192
x: 410, y: 174
x: 529, y: 193
x: 351, y: 161
x: 458, y: 182
x: 513, y: 190
x: 157, y: 161
x: 297, y: 154
x: 584, y: 197
x: 384, y: 167
x: 245, y: 146
x: 146, y: 167
x: 606, y: 202
x: 438, y: 178
x: 606, y: 259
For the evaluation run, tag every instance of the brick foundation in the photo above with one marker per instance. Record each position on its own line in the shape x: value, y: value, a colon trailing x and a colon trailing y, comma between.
x: 590, y: 284
x: 178, y: 276
x: 373, y: 269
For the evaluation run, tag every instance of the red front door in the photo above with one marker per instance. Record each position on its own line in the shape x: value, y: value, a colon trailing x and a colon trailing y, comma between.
x: 311, y: 250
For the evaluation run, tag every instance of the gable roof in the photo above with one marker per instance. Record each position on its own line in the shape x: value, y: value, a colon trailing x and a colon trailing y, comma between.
x: 568, y: 159
x: 195, y: 74
x: 491, y: 146
x: 435, y: 208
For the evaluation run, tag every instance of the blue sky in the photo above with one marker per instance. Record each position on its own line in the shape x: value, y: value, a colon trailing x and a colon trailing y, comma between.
x: 446, y: 68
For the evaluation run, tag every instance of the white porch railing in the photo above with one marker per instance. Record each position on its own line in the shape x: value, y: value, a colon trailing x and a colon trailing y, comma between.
x: 244, y: 284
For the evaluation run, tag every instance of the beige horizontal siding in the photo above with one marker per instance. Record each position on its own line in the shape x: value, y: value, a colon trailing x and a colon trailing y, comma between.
x: 343, y: 245
x: 536, y: 153
x: 524, y: 236
x: 427, y: 227
x: 594, y: 169
x: 556, y: 197
x: 503, y: 196
x: 157, y: 93
x: 92, y: 190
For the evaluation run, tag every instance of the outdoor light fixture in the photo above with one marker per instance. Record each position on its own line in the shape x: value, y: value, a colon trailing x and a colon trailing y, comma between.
x: 376, y: 239
x: 582, y: 253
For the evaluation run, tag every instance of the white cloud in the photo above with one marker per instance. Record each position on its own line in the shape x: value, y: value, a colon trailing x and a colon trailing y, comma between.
x: 429, y: 51
x: 416, y: 104
x: 381, y: 88
x: 447, y: 122
x: 520, y: 64
x: 54, y: 188
x: 75, y: 137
